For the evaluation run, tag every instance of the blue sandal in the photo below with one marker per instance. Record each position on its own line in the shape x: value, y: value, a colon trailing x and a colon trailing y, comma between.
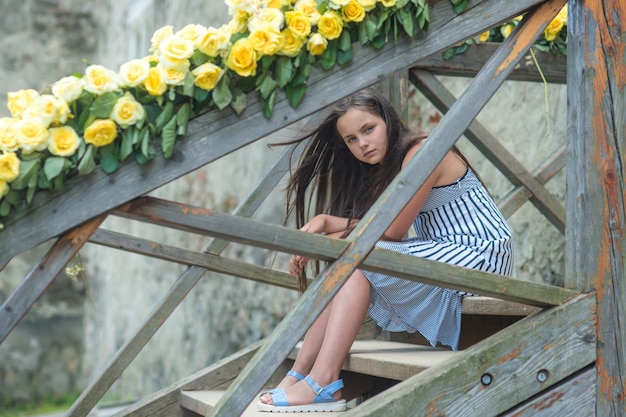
x: 323, y: 401
x: 292, y: 373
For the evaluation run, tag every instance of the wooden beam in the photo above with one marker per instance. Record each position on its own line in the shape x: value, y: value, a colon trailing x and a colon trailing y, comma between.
x: 493, y: 150
x: 576, y: 396
x: 203, y: 221
x: 500, y: 372
x: 218, y: 133
x: 553, y: 66
x: 596, y: 182
x: 41, y: 276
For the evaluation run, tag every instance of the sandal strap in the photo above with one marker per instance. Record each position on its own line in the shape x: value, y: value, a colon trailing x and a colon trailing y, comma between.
x: 324, y: 393
x: 296, y: 375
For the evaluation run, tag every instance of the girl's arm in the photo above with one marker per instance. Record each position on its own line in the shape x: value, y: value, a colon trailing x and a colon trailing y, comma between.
x: 450, y: 169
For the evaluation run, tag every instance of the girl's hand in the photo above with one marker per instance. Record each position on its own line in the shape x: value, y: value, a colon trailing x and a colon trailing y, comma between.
x: 316, y: 225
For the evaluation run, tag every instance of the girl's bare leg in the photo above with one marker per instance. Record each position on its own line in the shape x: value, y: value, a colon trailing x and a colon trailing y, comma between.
x: 345, y: 316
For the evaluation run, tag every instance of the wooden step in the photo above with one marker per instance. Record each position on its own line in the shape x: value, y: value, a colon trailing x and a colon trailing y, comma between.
x: 379, y: 358
x: 489, y: 306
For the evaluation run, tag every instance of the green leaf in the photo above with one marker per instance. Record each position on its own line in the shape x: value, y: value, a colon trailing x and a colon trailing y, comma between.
x: 371, y: 24
x: 5, y: 209
x: 147, y: 151
x: 329, y: 57
x: 284, y: 71
x: 130, y: 136
x: 268, y: 105
x: 459, y: 6
x: 87, y: 162
x: 189, y: 84
x: 53, y: 166
x: 164, y: 117
x: 448, y: 53
x: 406, y: 20
x: 28, y: 169
x: 182, y: 118
x: 14, y: 197
x: 267, y: 87
x: 103, y: 105
x: 363, y: 38
x: 240, y: 102
x: 295, y: 94
x: 343, y: 57
x: 109, y: 158
x: 168, y: 138
x: 198, y: 58
x: 345, y: 41
x: 221, y: 93
x: 32, y: 186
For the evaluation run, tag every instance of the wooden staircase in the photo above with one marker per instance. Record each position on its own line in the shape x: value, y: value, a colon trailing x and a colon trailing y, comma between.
x: 527, y: 347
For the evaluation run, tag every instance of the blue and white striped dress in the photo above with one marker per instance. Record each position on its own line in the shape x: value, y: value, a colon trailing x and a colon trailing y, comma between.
x: 458, y: 224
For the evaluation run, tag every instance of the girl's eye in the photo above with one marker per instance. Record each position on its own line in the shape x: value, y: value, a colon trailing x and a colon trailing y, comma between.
x: 350, y: 139
x: 369, y: 129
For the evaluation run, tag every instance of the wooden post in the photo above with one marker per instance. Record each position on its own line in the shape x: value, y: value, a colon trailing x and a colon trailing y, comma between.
x: 596, y: 223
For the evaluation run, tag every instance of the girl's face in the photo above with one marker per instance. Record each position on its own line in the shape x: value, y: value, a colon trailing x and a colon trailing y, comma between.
x: 365, y: 135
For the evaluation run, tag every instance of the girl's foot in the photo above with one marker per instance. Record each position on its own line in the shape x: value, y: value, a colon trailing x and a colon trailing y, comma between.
x: 290, y: 379
x: 299, y: 393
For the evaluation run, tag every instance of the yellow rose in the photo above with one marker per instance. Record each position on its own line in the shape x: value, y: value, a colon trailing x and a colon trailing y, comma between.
x: 298, y: 23
x: 388, y: 3
x: 291, y: 44
x: 242, y: 58
x: 316, y: 44
x: 159, y: 35
x: 207, y: 75
x: 31, y: 134
x: 266, y: 42
x: 20, y: 101
x: 237, y: 24
x: 63, y: 113
x: 127, y: 111
x: 154, y: 83
x: 266, y: 19
x: 246, y: 6
x: 368, y: 5
x: 330, y: 25
x: 99, y: 80
x: 175, y: 48
x: 337, y: 4
x: 134, y: 72
x: 484, y: 37
x: 172, y: 76
x: 4, y: 188
x: 63, y: 141
x: 563, y: 14
x: 275, y: 4
x: 213, y: 41
x: 506, y: 30
x: 353, y: 12
x: 67, y: 88
x: 45, y: 107
x: 309, y: 9
x: 9, y: 166
x: 553, y: 29
x: 192, y: 32
x: 101, y: 132
x: 8, y: 141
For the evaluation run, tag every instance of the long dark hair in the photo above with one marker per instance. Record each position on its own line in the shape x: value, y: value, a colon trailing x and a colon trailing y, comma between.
x: 330, y: 176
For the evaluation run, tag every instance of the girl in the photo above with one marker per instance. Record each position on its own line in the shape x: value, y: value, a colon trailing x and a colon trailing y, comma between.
x: 351, y: 158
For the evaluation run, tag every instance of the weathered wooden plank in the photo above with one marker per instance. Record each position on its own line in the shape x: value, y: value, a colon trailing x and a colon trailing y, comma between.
x: 511, y: 202
x: 397, y: 195
x: 217, y: 133
x: 576, y: 396
x: 553, y: 66
x: 493, y: 150
x: 216, y: 375
x: 41, y: 276
x: 125, y: 355
x: 596, y: 182
x: 203, y: 221
x: 501, y: 371
x: 208, y: 261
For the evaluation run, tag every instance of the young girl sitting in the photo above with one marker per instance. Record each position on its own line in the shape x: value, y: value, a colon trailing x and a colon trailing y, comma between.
x: 349, y: 161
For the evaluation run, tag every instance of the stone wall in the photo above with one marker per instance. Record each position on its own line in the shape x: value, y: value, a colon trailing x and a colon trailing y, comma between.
x: 74, y: 331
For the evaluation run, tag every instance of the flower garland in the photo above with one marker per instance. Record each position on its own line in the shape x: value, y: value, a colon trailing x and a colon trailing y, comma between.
x: 553, y: 39
x: 102, y: 117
